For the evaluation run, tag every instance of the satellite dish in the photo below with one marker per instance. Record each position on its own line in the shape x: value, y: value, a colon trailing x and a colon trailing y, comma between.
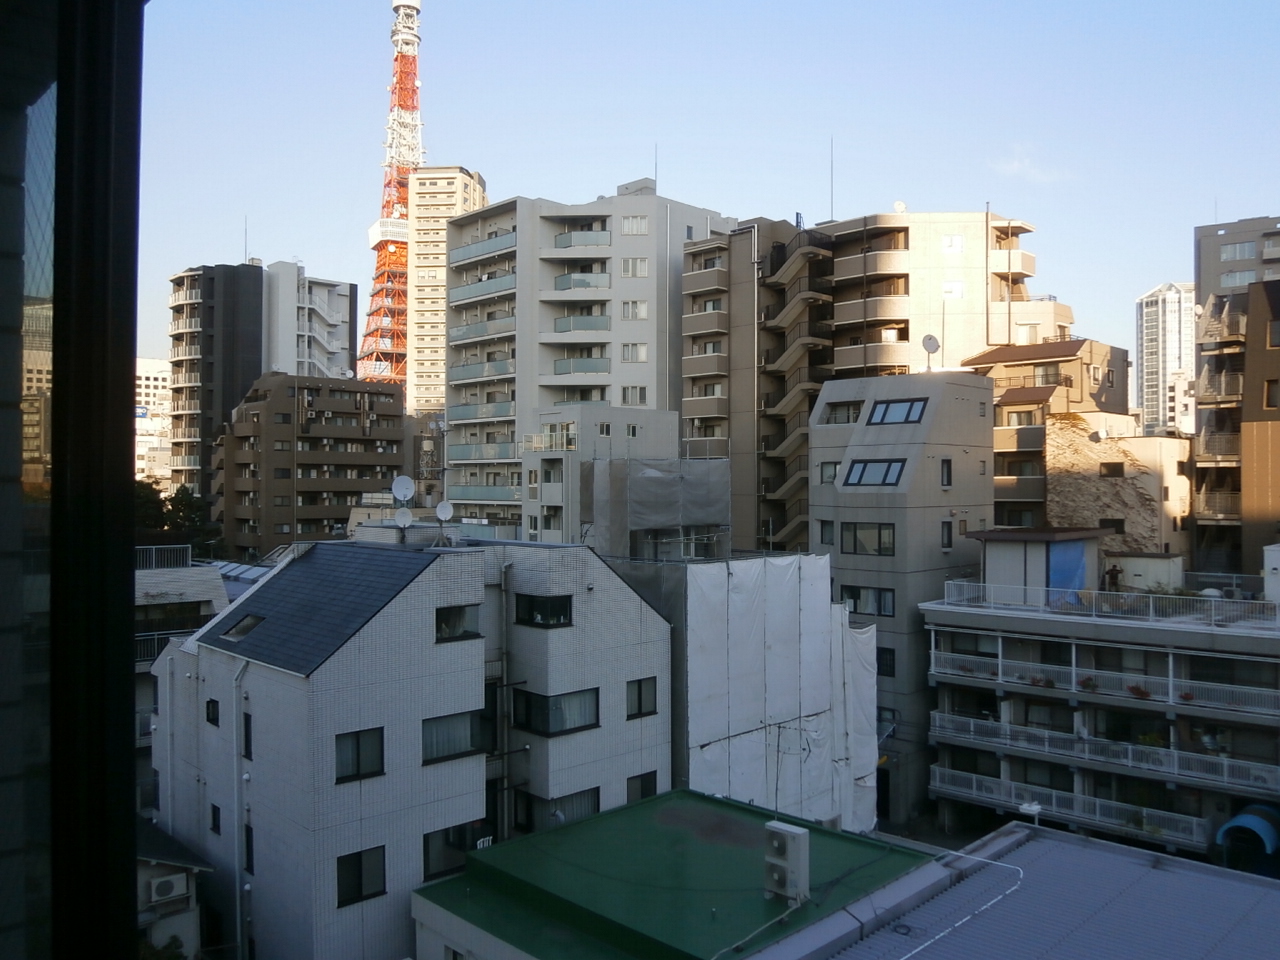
x: 444, y: 510
x: 1199, y: 309
x: 349, y: 374
x: 402, y: 488
x: 404, y: 517
x: 899, y: 207
x: 930, y: 343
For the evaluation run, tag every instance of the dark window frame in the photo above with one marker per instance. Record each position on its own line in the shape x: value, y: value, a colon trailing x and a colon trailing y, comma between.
x: 215, y: 819
x: 475, y: 719
x: 246, y: 735
x: 248, y: 849
x: 649, y: 684
x: 945, y: 471
x: 356, y: 867
x: 524, y: 703
x: 948, y: 541
x: 852, y: 591
x: 213, y: 712
x: 881, y: 409
x: 527, y: 608
x: 886, y: 662
x: 360, y: 737
x: 646, y: 786
x: 889, y: 463
x: 1111, y: 469
x: 470, y: 612
x: 880, y: 539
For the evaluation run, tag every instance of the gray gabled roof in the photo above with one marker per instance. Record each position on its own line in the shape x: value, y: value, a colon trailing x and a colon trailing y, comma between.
x: 316, y: 603
x: 156, y: 846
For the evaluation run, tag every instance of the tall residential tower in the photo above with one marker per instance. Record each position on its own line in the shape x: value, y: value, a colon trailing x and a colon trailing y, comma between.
x: 1166, y: 358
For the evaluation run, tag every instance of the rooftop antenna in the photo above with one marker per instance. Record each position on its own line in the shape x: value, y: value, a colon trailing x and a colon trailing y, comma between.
x: 246, y: 238
x: 931, y: 345
x: 444, y: 511
x: 832, y: 169
x: 403, y: 518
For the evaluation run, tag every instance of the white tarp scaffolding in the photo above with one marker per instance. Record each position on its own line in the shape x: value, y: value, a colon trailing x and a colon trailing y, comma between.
x: 781, y: 690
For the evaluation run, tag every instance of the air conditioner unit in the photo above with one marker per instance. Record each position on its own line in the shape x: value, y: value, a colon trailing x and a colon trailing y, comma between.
x: 168, y: 888
x: 786, y: 860
x: 311, y: 414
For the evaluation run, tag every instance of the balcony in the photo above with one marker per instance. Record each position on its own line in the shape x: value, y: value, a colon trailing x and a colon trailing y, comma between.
x: 704, y: 407
x: 483, y: 494
x: 709, y: 321
x: 482, y: 451
x: 877, y: 263
x: 482, y: 248
x: 162, y: 557
x: 886, y: 353
x: 184, y: 325
x: 705, y: 365
x: 571, y: 324
x: 482, y: 289
x: 794, y: 520
x: 185, y: 406
x: 185, y: 352
x: 185, y: 380
x: 1034, y: 380
x: 785, y: 261
x: 190, y: 295
x: 481, y: 411
x: 481, y: 370
x: 547, y: 442
x: 890, y: 308
x: 1014, y: 439
x: 799, y: 339
x: 794, y: 476
x: 800, y: 295
x: 703, y: 448
x: 1019, y: 488
x: 1205, y: 768
x: 581, y: 365
x: 485, y: 328
x: 582, y: 238
x: 180, y: 462
x: 1271, y: 249
x: 1225, y: 505
x: 1220, y: 386
x: 582, y: 281
x: 1012, y: 263
x: 801, y: 382
x: 705, y: 281
x: 1221, y: 329
x: 1222, y: 446
x: 1153, y: 826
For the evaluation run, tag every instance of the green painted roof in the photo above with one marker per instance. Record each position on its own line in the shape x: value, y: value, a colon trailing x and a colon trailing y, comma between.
x: 679, y: 876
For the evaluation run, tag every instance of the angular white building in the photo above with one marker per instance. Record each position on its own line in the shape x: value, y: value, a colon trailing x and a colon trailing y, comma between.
x: 1166, y: 359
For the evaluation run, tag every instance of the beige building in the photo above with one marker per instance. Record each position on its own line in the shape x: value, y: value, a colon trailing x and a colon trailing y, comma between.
x: 435, y: 195
x: 771, y: 312
x: 152, y: 396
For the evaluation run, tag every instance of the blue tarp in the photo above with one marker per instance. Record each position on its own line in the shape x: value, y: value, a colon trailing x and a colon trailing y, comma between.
x: 1067, y: 566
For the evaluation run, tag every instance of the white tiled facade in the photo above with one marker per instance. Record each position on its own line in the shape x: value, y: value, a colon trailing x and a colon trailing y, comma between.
x: 152, y: 396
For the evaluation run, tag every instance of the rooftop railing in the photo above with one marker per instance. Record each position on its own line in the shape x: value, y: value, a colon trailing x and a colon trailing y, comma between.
x: 162, y: 557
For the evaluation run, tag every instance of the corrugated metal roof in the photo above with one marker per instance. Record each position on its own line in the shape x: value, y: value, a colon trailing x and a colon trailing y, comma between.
x: 316, y: 603
x: 1089, y: 900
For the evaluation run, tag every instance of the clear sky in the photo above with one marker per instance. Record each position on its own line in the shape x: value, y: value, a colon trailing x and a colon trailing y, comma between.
x: 1113, y: 127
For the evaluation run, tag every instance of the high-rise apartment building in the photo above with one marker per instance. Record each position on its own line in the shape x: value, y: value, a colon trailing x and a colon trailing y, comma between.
x: 771, y: 312
x: 1165, y: 370
x: 435, y: 195
x: 1230, y: 256
x: 591, y: 317
x: 232, y: 322
x: 152, y: 397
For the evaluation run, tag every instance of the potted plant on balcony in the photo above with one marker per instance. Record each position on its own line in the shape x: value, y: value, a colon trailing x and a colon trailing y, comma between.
x: 1139, y: 691
x: 1186, y: 696
x: 1088, y: 684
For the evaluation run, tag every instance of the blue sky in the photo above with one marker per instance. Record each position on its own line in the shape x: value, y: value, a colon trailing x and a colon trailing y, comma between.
x: 1114, y: 128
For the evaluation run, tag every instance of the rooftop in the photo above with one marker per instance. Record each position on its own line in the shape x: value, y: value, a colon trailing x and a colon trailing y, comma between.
x: 1056, y: 349
x: 680, y: 875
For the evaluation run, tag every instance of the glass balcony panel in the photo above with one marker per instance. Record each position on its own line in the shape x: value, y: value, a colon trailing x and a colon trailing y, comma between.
x: 581, y: 281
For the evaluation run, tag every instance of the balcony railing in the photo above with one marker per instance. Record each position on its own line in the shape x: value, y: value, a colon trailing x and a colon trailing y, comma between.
x: 485, y: 328
x: 1190, y: 612
x: 185, y: 325
x: 1229, y: 327
x: 190, y: 295
x: 812, y: 329
x: 482, y: 451
x: 481, y: 411
x: 483, y: 288
x: 481, y: 369
x: 480, y: 248
x: 162, y: 557
x: 1036, y: 380
x: 1210, y: 444
x: 148, y: 646
x: 814, y: 375
x: 1224, y: 504
x: 583, y: 238
x: 582, y: 281
x: 1220, y: 385
x: 1134, y: 687
x: 185, y: 353
x: 568, y: 324
x: 780, y: 253
x: 1123, y: 818
x: 540, y: 442
x: 581, y: 365
x: 484, y: 492
x: 1158, y: 760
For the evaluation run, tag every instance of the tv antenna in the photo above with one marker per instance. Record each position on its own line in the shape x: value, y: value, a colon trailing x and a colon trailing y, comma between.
x: 444, y: 511
x: 931, y: 346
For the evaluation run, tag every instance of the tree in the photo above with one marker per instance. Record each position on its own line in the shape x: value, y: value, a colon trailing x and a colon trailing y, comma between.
x: 186, y: 515
x: 148, y: 505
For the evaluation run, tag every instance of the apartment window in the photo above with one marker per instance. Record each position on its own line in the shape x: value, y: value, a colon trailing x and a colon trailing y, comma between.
x: 1273, y: 333
x: 1111, y: 469
x: 1115, y: 525
x: 215, y: 818
x: 868, y: 601
x: 453, y: 736
x: 963, y: 527
x: 872, y: 539
x: 946, y: 534
x: 248, y: 848
x: 211, y: 711
x: 709, y: 347
x: 557, y: 715
x: 982, y: 468
x: 886, y: 662
x: 282, y: 445
x: 874, y: 473
x: 530, y: 812
x: 606, y: 429
x: 635, y: 352
x: 1111, y: 377
x: 633, y: 430
x: 945, y: 471
x: 282, y: 418
x: 635, y: 226
x: 642, y: 697
x: 982, y: 408
x: 535, y: 611
x: 635, y: 309
x: 897, y: 411
x: 827, y: 471
x: 1021, y: 418
x: 282, y: 473
x: 1239, y: 251
x: 827, y: 532
x: 246, y: 735
x: 634, y: 396
x: 641, y: 786
x: 358, y: 755
x: 688, y: 232
x: 282, y: 528
x: 1239, y: 278
x: 362, y: 876
x: 1271, y: 394
x: 709, y: 306
x: 843, y: 412
x: 457, y: 623
x: 635, y: 266
x: 280, y: 501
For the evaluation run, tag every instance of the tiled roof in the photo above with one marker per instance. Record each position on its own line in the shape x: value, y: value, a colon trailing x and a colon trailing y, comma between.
x: 1028, y: 353
x: 316, y: 603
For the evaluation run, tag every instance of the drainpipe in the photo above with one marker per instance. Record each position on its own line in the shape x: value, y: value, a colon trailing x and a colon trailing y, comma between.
x: 504, y: 714
x: 168, y: 722
x: 239, y: 817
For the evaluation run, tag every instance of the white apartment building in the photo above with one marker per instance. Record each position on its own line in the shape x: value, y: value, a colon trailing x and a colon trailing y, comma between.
x: 309, y: 325
x: 591, y: 317
x: 367, y: 713
x: 1166, y: 358
x: 435, y: 195
x: 152, y: 396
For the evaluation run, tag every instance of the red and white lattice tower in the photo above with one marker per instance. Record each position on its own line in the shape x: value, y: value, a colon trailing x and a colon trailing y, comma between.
x: 383, y: 350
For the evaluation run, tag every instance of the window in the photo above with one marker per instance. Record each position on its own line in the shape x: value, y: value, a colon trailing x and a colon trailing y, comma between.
x: 642, y: 697
x: 281, y: 473
x: 634, y: 396
x: 211, y: 712
x: 358, y: 755
x: 982, y: 408
x: 535, y: 611
x: 1273, y: 333
x: 247, y: 737
x: 710, y: 306
x: 635, y: 226
x: 897, y: 411
x: 875, y: 539
x: 635, y: 309
x: 248, y: 848
x: 606, y: 429
x: 827, y: 472
x: 1239, y: 278
x: 635, y: 352
x: 982, y: 468
x: 283, y: 445
x: 531, y: 812
x: 886, y: 662
x: 215, y: 818
x: 282, y: 418
x: 635, y: 266
x: 552, y: 716
x: 280, y: 501
x: 1115, y: 525
x: 445, y: 851
x: 633, y: 430
x: 1021, y: 418
x: 281, y: 528
x: 709, y: 347
x: 945, y: 465
x: 361, y: 876
x: 964, y: 527
x: 1111, y: 377
x: 642, y: 786
x: 1111, y: 469
x: 874, y: 473
x: 1239, y: 251
x: 452, y: 736
x: 946, y: 534
x: 457, y: 623
x: 827, y: 532
x: 1271, y: 394
x: 843, y: 412
x: 868, y: 601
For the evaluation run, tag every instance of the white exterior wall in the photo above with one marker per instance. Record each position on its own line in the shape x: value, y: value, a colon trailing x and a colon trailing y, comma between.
x: 152, y: 397
x: 1166, y: 358
x: 306, y: 323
